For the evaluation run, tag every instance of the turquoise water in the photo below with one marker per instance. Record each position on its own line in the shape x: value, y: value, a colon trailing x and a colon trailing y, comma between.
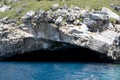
x: 58, y: 71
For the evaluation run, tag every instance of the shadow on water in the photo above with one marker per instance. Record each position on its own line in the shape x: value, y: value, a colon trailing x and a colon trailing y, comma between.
x: 64, y: 55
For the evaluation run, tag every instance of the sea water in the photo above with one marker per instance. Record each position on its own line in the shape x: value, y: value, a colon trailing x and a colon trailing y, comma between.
x: 58, y: 71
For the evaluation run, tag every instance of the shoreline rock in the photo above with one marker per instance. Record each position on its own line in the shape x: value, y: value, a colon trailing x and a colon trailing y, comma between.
x: 40, y: 30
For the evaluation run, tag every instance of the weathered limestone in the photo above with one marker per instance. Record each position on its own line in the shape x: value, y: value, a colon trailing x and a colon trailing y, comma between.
x: 62, y: 25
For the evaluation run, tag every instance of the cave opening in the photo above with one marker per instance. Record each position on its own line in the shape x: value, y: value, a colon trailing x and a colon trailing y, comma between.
x: 78, y: 54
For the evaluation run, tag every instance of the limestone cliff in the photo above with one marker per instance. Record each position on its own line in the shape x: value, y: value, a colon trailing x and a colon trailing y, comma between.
x: 41, y: 30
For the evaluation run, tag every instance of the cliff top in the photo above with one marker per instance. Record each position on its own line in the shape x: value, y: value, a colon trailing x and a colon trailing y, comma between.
x: 20, y: 7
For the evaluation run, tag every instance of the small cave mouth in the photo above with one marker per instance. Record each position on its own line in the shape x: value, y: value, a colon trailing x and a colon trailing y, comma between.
x: 78, y: 54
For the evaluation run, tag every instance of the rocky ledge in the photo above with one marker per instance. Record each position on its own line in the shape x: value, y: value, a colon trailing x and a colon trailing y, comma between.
x: 61, y: 27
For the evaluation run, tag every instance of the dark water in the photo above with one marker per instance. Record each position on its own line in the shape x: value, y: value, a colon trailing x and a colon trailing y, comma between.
x: 58, y: 71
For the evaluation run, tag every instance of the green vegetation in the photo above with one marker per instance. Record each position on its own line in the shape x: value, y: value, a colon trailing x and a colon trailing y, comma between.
x: 112, y: 20
x: 22, y: 7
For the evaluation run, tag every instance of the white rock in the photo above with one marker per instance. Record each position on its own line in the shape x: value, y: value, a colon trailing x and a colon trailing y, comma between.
x: 4, y: 8
x: 110, y: 13
x: 106, y: 36
x: 59, y: 20
x: 83, y: 27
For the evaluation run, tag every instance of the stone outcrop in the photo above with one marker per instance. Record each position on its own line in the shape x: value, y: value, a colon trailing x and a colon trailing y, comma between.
x: 41, y: 30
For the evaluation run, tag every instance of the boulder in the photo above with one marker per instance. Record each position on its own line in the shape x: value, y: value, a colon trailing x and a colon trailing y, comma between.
x: 110, y: 13
x: 59, y: 20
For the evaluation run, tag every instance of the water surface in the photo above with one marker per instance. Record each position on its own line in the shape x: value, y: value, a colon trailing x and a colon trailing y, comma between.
x: 58, y: 71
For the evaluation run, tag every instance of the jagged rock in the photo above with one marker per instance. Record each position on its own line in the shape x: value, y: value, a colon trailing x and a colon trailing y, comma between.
x: 110, y: 13
x: 4, y: 8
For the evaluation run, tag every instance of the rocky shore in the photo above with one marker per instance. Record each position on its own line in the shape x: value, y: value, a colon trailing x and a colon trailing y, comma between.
x: 43, y: 30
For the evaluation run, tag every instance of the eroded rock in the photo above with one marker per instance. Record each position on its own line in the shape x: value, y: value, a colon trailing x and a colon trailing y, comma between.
x: 61, y: 25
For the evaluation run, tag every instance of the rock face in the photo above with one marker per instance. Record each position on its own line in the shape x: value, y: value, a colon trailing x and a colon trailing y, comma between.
x: 43, y: 29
